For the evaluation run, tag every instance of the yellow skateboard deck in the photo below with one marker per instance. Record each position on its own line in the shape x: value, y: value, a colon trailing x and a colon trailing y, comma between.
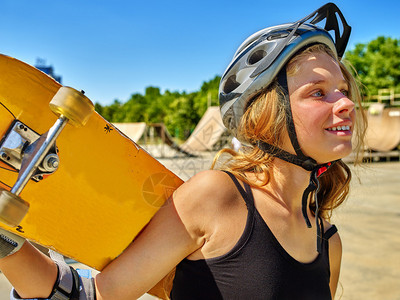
x: 106, y: 188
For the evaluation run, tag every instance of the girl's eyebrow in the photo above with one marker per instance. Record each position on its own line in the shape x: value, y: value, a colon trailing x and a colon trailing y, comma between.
x: 317, y: 82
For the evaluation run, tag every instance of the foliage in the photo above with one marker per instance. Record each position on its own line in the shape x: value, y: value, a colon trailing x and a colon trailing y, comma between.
x: 180, y: 112
x: 377, y: 64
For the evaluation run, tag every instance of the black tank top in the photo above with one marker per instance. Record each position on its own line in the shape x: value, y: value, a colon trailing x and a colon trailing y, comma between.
x: 257, y: 267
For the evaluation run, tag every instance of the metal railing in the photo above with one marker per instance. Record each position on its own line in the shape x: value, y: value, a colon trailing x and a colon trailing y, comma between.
x: 386, y: 96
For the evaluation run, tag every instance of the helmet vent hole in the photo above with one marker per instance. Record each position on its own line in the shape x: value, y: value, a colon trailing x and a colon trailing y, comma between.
x: 230, y: 84
x: 256, y: 56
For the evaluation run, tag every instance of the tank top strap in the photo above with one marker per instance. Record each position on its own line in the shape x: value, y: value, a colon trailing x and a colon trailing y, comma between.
x: 330, y: 232
x: 246, y: 192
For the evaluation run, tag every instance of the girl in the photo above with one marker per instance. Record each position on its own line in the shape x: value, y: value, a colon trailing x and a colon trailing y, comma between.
x: 258, y: 229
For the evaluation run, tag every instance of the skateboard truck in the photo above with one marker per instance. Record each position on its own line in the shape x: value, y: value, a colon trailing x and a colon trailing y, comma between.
x: 34, y: 155
x: 20, y: 144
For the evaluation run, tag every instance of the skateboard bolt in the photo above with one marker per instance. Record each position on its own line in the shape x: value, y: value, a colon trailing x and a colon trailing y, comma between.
x: 53, y: 163
x: 22, y: 127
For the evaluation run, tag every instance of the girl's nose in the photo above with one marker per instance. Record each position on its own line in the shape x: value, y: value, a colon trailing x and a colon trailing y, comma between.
x: 344, y: 106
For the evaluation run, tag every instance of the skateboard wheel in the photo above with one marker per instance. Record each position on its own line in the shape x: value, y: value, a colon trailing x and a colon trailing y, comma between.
x: 12, y: 208
x: 73, y: 105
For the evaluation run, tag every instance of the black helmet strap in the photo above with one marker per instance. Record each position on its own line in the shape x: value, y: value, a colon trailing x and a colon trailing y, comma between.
x: 282, y: 81
x: 307, y: 164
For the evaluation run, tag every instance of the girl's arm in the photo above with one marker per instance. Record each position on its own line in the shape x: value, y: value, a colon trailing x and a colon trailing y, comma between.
x: 32, y: 273
x: 335, y: 259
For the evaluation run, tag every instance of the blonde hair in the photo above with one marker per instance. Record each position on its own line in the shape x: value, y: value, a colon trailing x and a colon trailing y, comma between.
x: 270, y: 127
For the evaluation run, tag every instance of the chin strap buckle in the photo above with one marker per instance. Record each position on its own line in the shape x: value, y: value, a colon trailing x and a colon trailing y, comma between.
x: 309, y: 164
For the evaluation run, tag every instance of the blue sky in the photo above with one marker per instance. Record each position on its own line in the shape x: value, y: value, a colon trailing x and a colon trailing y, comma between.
x: 112, y: 49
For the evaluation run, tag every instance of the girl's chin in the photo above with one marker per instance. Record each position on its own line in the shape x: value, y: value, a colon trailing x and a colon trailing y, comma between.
x: 338, y: 153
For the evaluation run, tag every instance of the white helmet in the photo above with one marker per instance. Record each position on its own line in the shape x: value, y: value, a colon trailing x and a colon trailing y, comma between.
x: 261, y: 56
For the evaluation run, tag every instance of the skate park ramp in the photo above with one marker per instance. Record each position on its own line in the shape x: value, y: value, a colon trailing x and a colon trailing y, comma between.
x: 133, y: 130
x: 207, y: 132
x: 162, y: 131
x: 137, y: 130
x: 383, y: 133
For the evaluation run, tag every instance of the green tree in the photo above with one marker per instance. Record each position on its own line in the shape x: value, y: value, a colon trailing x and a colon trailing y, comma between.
x: 135, y: 109
x: 112, y: 111
x: 377, y: 64
x: 156, y: 108
x: 182, y: 117
x: 99, y: 108
x: 208, y: 95
x: 180, y: 112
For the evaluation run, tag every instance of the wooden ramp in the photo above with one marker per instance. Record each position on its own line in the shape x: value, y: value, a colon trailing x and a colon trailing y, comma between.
x: 207, y: 132
x: 383, y: 133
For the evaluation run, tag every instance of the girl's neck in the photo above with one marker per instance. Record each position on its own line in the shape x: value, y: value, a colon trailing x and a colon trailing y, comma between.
x: 287, y: 184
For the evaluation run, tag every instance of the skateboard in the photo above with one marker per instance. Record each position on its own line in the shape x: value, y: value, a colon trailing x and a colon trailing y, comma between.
x: 69, y: 180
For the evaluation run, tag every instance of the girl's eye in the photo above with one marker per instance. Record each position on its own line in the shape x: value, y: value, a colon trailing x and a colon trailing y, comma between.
x: 345, y: 92
x: 317, y: 94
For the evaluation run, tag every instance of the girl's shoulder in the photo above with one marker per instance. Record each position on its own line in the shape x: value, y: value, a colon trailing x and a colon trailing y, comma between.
x: 210, y: 187
x: 205, y: 198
